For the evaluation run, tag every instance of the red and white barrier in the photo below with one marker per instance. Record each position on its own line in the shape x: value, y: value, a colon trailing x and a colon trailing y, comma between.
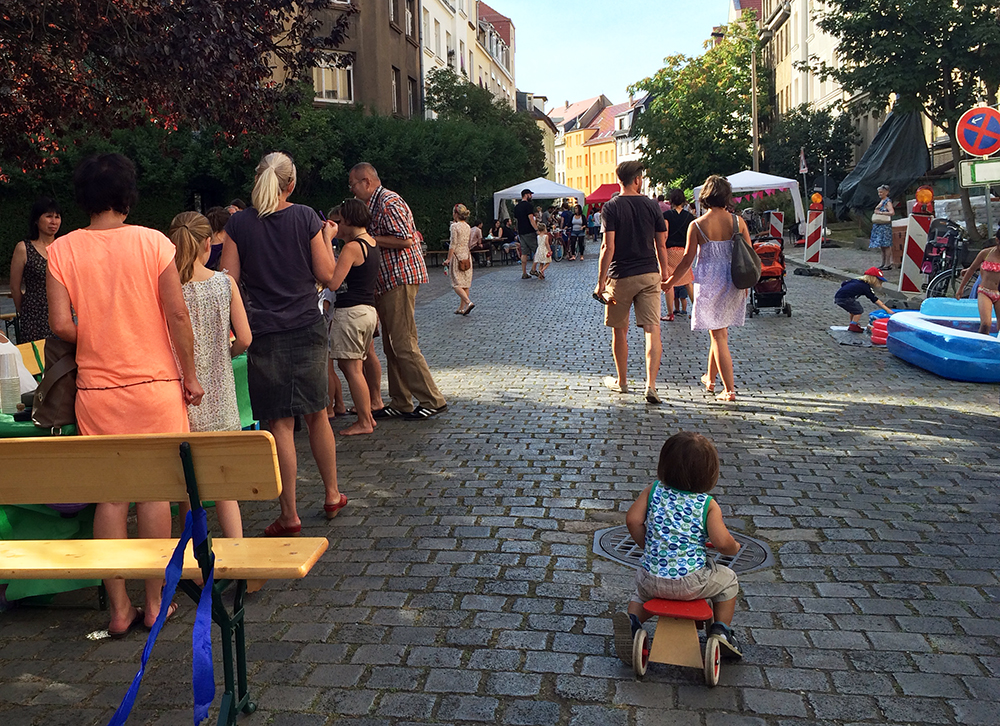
x: 910, y: 276
x: 776, y: 224
x: 814, y: 236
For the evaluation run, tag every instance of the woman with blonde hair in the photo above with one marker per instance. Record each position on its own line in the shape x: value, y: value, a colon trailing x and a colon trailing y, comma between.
x: 458, y: 264
x: 278, y: 251
x: 718, y: 304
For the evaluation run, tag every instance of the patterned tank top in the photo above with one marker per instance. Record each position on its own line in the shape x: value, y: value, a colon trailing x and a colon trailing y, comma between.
x: 676, y: 532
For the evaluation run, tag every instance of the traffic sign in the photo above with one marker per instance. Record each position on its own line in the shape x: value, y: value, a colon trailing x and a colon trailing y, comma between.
x: 979, y: 173
x: 978, y: 131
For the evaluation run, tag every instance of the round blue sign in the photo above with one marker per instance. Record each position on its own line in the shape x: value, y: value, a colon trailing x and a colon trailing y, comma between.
x: 978, y: 131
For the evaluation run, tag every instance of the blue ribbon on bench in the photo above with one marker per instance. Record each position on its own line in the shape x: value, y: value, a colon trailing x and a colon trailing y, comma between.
x: 203, y: 680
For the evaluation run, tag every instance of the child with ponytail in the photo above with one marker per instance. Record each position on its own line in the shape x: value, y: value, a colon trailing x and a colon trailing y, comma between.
x: 215, y: 306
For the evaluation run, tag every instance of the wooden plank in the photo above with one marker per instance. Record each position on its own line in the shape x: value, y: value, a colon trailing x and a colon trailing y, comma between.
x: 276, y: 558
x: 28, y: 356
x: 241, y: 465
x: 676, y: 642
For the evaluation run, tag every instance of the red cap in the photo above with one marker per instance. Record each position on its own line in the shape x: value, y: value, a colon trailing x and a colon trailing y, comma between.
x: 875, y: 272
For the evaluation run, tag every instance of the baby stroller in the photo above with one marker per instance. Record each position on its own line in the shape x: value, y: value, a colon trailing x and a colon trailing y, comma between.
x: 769, y: 292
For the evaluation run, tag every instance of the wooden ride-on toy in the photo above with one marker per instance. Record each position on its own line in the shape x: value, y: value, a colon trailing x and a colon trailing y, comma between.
x: 676, y: 638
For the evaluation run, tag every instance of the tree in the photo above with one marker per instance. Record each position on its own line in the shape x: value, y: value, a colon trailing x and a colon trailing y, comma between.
x: 94, y: 65
x: 453, y: 98
x: 820, y: 133
x: 939, y: 57
x: 698, y: 120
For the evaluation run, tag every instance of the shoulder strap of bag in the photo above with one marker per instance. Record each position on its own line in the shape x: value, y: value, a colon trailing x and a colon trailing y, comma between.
x: 736, y: 228
x: 62, y: 367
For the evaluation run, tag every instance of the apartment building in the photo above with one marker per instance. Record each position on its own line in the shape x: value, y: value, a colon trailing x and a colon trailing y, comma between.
x: 494, y: 56
x: 378, y: 66
x: 567, y: 118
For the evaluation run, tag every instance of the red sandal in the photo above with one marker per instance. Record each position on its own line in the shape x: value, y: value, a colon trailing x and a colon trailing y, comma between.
x: 331, y: 510
x: 279, y: 530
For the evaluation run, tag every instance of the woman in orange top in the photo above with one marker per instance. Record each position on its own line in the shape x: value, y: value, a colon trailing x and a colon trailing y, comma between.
x: 122, y: 283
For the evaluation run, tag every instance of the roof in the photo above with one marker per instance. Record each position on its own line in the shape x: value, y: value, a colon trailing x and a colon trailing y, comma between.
x: 604, y: 124
x: 571, y: 111
x: 502, y: 23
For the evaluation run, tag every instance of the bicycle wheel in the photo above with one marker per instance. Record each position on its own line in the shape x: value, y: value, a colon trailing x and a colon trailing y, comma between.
x: 944, y: 284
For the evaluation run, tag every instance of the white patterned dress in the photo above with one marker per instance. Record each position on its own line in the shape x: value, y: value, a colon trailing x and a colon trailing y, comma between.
x: 208, y: 303
x: 718, y: 303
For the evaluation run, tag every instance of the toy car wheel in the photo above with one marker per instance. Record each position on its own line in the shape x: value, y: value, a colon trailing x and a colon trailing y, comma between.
x: 788, y: 310
x: 713, y: 662
x: 640, y: 652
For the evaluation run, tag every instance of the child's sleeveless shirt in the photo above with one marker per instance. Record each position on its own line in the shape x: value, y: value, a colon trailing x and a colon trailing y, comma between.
x: 676, y: 532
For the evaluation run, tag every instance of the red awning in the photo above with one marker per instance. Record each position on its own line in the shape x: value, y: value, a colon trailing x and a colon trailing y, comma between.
x: 603, y: 193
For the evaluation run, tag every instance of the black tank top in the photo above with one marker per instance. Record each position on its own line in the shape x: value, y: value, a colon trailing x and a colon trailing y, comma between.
x: 359, y: 285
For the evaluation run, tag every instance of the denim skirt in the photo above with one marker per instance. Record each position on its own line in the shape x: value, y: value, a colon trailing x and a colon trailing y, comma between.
x: 287, y: 372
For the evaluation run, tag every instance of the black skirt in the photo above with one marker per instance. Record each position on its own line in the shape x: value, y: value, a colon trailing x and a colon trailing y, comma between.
x: 287, y: 373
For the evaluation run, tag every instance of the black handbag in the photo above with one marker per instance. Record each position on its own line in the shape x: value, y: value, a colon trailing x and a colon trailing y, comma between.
x: 745, y: 265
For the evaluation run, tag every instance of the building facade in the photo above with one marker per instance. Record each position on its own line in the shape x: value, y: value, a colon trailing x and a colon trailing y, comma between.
x: 534, y: 105
x: 494, y: 53
x: 378, y: 66
x: 568, y: 118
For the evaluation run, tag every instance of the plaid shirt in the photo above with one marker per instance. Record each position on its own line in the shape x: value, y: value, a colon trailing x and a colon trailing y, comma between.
x: 391, y: 217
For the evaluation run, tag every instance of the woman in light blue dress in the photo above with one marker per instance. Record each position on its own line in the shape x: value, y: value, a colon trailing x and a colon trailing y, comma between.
x: 881, y: 238
x: 718, y: 304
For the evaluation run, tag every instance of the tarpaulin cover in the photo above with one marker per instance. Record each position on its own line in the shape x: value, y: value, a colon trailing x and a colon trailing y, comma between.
x: 604, y: 193
x: 898, y: 157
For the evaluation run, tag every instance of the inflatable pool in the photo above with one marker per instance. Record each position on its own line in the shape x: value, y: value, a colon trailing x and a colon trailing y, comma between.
x: 943, y: 339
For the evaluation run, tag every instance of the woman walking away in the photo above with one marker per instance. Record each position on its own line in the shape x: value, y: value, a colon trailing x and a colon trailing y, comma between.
x: 987, y: 263
x: 27, y: 268
x: 215, y: 306
x: 279, y: 250
x: 718, y: 304
x: 458, y: 264
x: 354, y: 319
x: 881, y: 238
x: 120, y: 281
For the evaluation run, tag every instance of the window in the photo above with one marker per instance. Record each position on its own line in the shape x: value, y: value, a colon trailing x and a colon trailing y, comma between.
x: 450, y: 47
x: 427, y: 27
x: 437, y: 38
x: 461, y: 53
x: 413, y: 95
x: 410, y: 28
x: 332, y: 83
x: 396, y: 99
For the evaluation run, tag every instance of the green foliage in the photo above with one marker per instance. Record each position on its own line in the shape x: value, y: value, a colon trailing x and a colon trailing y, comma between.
x: 698, y: 121
x: 820, y: 133
x: 433, y: 164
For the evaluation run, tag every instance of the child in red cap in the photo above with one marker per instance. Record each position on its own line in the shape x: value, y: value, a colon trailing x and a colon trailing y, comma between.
x: 850, y: 290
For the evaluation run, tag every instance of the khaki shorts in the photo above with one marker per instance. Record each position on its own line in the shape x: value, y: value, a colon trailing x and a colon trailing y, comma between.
x: 642, y: 291
x: 715, y: 582
x: 351, y: 332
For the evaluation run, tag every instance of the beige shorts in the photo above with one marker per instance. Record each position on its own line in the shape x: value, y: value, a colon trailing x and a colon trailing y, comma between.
x: 641, y: 291
x: 715, y: 582
x: 351, y: 332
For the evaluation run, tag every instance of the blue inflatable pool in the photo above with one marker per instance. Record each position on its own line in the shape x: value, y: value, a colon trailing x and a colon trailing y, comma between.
x: 943, y: 339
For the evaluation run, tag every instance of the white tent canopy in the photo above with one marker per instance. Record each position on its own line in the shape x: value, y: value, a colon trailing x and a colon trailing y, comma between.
x: 754, y: 181
x: 541, y: 187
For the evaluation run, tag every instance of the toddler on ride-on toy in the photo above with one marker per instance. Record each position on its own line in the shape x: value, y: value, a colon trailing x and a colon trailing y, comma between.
x: 673, y: 519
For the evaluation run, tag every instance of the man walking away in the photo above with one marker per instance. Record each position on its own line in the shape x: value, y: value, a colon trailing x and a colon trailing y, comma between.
x: 401, y: 271
x: 633, y: 262
x: 527, y: 232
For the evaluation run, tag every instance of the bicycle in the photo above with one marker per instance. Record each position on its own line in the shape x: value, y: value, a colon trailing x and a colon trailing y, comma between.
x: 943, y: 258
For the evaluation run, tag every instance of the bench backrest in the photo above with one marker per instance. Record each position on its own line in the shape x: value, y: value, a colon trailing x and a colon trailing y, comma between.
x: 137, y: 468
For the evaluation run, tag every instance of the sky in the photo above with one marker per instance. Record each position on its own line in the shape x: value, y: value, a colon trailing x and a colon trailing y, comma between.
x: 570, y: 50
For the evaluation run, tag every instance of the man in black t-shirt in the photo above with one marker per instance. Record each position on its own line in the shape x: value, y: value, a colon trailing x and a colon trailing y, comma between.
x: 633, y: 263
x: 527, y: 231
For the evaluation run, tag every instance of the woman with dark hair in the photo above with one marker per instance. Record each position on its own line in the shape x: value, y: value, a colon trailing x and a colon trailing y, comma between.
x: 121, y: 282
x: 678, y: 221
x: 718, y: 304
x: 578, y: 231
x: 278, y: 251
x: 27, y: 269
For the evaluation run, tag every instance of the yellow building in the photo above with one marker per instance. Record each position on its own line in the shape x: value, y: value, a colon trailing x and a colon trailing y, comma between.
x: 591, y: 151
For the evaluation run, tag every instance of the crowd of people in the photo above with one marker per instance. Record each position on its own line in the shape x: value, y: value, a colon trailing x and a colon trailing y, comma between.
x: 234, y: 280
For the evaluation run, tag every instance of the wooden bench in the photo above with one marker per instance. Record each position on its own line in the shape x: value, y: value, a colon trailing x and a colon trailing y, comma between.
x: 436, y: 258
x: 10, y: 320
x: 156, y: 468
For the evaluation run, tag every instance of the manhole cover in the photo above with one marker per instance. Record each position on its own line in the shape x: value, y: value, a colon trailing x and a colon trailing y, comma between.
x: 617, y: 544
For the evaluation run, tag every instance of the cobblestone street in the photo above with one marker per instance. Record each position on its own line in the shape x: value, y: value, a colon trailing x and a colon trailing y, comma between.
x: 460, y: 585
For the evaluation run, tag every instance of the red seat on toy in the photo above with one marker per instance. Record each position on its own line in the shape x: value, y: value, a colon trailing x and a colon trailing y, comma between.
x: 682, y: 609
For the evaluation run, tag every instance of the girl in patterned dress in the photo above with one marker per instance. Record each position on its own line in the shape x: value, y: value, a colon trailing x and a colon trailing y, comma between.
x: 672, y: 520
x: 215, y: 306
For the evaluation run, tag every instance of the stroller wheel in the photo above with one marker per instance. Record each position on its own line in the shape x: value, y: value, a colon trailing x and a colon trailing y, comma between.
x: 787, y: 310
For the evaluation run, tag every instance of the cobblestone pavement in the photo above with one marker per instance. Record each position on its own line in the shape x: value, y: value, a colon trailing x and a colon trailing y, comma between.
x: 460, y: 586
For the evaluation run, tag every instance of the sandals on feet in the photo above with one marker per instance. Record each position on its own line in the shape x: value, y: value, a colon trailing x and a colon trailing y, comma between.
x: 279, y: 530
x: 709, y: 385
x: 331, y: 510
x: 726, y: 396
x: 139, y: 619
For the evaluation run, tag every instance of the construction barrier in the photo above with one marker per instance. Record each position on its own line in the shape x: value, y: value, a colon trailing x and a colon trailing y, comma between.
x: 814, y: 236
x: 776, y: 224
x: 910, y: 276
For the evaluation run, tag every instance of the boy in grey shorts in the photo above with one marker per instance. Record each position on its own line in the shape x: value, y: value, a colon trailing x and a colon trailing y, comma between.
x: 672, y: 520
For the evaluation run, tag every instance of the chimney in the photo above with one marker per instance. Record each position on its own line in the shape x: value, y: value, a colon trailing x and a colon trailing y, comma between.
x: 567, y: 104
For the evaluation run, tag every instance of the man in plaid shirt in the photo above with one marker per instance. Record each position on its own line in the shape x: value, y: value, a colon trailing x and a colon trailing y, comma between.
x: 401, y: 271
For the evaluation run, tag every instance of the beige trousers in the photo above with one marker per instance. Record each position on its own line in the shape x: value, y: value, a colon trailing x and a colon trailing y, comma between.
x: 407, y: 371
